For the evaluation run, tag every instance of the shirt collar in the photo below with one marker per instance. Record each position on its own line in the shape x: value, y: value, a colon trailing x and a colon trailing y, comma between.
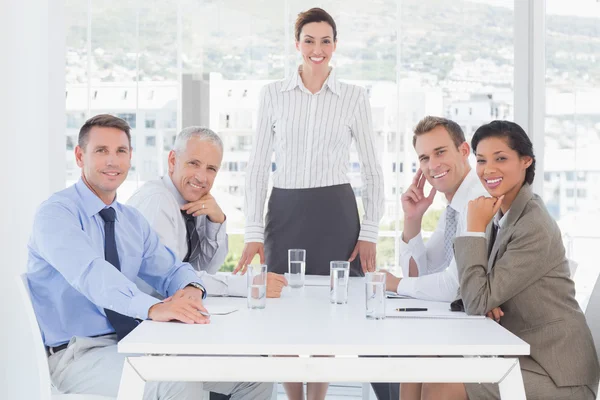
x: 460, y: 200
x: 92, y: 204
x: 500, y: 220
x: 294, y: 81
x: 168, y: 182
x: 332, y: 83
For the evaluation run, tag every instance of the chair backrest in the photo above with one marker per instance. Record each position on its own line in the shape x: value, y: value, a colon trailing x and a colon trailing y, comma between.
x: 573, y: 267
x: 592, y: 314
x: 40, y: 370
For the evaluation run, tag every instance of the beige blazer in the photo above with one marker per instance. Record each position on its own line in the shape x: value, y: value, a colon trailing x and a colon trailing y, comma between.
x: 526, y: 273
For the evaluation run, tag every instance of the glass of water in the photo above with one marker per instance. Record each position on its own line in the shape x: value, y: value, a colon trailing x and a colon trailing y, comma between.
x: 257, y: 286
x: 375, y: 295
x: 339, y: 274
x: 296, y: 267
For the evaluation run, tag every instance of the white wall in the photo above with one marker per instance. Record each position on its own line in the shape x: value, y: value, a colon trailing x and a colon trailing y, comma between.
x: 32, y: 99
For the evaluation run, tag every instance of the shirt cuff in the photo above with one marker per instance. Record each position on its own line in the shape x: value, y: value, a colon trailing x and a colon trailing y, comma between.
x: 415, y: 246
x: 214, y: 230
x: 474, y: 234
x: 224, y: 284
x: 254, y: 233
x: 237, y: 285
x: 140, y: 305
x: 369, y: 231
x: 215, y: 284
x: 406, y: 287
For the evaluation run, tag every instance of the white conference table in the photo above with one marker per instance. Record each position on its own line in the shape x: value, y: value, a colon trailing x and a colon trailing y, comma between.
x: 303, y: 322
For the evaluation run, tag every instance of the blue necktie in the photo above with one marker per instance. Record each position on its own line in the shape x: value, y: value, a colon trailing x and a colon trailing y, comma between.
x: 122, y: 324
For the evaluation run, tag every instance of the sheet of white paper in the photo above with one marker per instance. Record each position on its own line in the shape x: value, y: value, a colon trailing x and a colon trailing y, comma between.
x: 394, y: 295
x: 221, y: 309
x: 435, y: 309
x: 316, y: 280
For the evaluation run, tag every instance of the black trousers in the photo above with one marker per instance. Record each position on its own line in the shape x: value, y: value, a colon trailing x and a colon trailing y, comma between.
x: 386, y: 391
x: 219, y: 396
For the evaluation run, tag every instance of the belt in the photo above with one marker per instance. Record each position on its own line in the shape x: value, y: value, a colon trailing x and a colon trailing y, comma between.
x: 54, y: 350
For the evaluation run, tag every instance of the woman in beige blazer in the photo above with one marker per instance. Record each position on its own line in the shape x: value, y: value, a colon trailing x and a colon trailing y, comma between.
x: 518, y: 263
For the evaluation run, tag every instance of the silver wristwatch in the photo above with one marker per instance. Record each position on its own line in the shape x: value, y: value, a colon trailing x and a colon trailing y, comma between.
x: 198, y: 286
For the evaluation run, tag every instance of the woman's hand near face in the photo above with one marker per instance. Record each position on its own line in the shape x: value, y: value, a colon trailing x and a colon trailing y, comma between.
x: 481, y: 211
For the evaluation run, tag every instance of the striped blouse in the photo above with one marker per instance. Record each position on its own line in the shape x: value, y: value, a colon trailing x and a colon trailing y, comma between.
x: 311, y: 135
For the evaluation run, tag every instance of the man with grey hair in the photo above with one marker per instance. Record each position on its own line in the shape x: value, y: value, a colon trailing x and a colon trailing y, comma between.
x: 188, y: 219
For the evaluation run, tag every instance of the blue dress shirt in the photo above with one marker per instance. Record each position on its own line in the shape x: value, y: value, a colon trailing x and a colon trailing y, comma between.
x: 71, y: 284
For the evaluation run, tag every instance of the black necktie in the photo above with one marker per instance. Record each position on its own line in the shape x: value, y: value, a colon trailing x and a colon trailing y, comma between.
x: 193, y: 239
x: 493, y: 234
x: 122, y: 324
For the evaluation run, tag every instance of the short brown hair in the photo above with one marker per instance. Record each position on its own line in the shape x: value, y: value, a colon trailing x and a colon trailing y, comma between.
x: 103, y: 120
x: 314, y: 15
x: 429, y: 123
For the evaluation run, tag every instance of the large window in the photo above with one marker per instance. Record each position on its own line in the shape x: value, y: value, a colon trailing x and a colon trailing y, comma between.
x: 122, y: 60
x: 572, y: 134
x: 163, y: 65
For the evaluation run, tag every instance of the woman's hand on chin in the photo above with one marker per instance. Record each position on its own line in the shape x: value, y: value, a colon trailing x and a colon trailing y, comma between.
x: 481, y: 211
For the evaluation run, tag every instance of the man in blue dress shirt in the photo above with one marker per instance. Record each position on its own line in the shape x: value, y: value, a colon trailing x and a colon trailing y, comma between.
x: 85, y: 252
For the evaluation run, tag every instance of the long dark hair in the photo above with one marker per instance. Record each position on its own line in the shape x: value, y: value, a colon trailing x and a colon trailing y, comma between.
x: 517, y: 140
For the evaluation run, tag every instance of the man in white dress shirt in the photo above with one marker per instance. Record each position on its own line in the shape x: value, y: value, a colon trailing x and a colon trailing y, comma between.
x: 429, y: 269
x: 188, y: 219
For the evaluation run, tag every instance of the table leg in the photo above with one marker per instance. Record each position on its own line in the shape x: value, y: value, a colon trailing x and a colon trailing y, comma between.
x: 511, y: 386
x: 132, y: 384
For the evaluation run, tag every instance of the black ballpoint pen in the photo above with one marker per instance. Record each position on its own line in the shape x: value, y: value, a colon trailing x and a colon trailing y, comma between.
x: 411, y: 309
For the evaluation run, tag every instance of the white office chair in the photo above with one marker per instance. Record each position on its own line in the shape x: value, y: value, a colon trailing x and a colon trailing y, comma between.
x: 40, y: 370
x: 572, y: 267
x: 592, y: 314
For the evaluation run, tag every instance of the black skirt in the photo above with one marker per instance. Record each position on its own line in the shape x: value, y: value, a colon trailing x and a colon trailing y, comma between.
x: 323, y: 221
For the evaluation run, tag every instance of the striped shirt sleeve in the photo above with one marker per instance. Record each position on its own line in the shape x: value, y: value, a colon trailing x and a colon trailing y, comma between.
x: 372, y: 174
x: 257, y: 175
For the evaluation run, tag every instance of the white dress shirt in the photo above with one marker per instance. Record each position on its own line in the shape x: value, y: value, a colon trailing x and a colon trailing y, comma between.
x: 436, y: 281
x: 311, y: 135
x: 160, y: 202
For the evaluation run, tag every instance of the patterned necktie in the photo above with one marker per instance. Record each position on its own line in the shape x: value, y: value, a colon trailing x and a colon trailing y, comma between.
x: 122, y: 324
x: 193, y: 239
x: 449, y: 234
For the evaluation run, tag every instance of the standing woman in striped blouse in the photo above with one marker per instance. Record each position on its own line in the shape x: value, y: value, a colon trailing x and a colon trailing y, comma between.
x: 310, y: 120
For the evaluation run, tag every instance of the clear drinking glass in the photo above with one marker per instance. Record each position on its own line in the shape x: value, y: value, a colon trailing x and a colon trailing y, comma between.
x: 375, y: 295
x: 339, y: 274
x: 296, y: 267
x: 257, y: 285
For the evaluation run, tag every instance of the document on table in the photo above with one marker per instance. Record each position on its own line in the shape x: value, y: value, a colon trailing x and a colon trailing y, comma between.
x: 394, y: 295
x: 221, y: 309
x: 316, y: 280
x: 435, y: 310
